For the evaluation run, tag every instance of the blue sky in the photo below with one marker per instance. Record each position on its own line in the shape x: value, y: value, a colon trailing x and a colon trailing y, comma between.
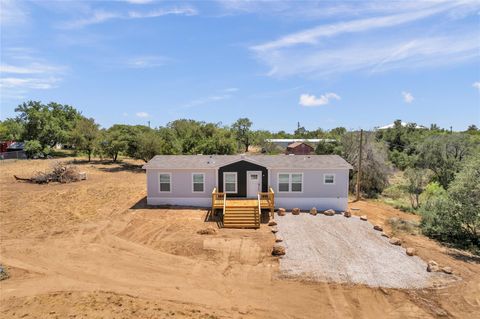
x: 324, y: 64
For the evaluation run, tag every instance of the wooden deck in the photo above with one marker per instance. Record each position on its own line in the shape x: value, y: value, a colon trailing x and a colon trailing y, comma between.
x: 246, y: 206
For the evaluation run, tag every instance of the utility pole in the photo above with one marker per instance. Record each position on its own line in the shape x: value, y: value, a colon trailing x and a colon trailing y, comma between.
x: 359, y: 173
x: 148, y: 124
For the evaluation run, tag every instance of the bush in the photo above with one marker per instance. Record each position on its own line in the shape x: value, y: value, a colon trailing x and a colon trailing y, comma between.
x: 33, y: 149
x: 454, y: 216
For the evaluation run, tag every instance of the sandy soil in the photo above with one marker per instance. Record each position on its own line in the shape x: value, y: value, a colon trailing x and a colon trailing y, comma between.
x: 92, y: 249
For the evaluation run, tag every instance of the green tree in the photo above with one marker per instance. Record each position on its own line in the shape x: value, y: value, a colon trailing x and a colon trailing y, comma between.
x: 243, y: 132
x: 84, y: 135
x: 375, y: 168
x: 11, y: 130
x: 114, y: 141
x: 33, y: 148
x: 443, y: 154
x: 454, y: 215
x: 149, y: 144
x: 417, y: 180
x: 49, y: 124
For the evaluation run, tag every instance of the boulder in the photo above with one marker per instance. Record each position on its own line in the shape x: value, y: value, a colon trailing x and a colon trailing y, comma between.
x: 207, y: 231
x: 278, y: 250
x: 274, y: 230
x: 296, y: 211
x: 281, y: 212
x: 395, y: 241
x: 411, y: 251
x: 378, y: 227
x: 313, y: 211
x: 278, y: 239
x: 364, y: 217
x: 347, y: 213
x: 329, y: 212
x: 272, y: 223
x: 432, y: 266
x: 385, y: 235
x: 447, y: 270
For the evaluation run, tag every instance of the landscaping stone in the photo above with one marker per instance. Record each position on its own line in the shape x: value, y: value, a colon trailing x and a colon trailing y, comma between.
x: 385, y: 235
x: 274, y: 230
x: 281, y: 212
x: 395, y: 241
x: 272, y: 223
x: 432, y: 266
x: 411, y: 251
x: 313, y: 211
x: 207, y: 231
x: 378, y: 227
x: 347, y: 213
x: 447, y: 270
x: 278, y: 239
x: 278, y: 250
x: 296, y: 211
x: 329, y: 212
x: 364, y: 217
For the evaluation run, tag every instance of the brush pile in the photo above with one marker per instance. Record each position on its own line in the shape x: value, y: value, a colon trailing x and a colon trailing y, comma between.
x: 59, y: 172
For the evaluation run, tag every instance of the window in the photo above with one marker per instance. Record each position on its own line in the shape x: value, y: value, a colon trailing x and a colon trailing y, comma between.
x: 198, y: 180
x: 329, y: 179
x: 290, y: 182
x: 283, y: 182
x: 230, y: 182
x: 296, y: 182
x: 165, y: 180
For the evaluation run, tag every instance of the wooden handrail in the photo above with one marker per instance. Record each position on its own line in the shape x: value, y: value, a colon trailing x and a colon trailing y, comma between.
x: 224, y: 203
x: 259, y: 215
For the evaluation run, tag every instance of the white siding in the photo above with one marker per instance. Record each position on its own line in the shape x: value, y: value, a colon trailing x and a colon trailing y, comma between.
x: 181, y: 184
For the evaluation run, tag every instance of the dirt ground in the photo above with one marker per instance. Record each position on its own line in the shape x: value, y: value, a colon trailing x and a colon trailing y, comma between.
x: 92, y: 249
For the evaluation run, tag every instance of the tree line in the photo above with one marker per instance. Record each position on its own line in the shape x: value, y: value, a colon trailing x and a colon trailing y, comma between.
x: 441, y: 168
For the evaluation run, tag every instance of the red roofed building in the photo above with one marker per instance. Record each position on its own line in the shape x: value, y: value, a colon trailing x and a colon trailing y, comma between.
x: 299, y: 148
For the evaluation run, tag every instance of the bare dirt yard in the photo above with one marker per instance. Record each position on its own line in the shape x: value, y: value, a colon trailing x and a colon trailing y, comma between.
x: 92, y: 249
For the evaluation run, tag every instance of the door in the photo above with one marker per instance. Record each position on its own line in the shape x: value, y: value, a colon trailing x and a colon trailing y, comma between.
x: 254, y: 183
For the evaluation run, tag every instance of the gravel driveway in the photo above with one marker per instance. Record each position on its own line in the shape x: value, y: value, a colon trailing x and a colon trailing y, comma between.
x: 340, y: 249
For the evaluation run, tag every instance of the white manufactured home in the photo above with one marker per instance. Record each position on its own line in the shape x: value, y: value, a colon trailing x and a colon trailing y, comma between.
x: 288, y: 181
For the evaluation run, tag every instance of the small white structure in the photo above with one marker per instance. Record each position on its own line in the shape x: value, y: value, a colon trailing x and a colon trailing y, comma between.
x: 404, y: 124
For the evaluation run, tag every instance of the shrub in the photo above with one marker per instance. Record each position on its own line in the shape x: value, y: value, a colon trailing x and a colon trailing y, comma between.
x: 33, y: 148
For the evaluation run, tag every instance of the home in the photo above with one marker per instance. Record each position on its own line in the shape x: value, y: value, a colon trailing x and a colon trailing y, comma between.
x: 299, y: 148
x: 287, y: 181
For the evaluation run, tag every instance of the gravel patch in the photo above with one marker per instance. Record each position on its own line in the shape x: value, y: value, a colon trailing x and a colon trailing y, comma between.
x: 346, y: 250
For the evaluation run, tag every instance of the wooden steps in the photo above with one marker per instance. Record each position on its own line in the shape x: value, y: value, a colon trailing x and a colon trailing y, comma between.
x: 241, y: 217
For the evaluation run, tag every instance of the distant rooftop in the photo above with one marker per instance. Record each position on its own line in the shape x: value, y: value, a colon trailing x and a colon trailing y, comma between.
x: 292, y: 140
x: 392, y: 125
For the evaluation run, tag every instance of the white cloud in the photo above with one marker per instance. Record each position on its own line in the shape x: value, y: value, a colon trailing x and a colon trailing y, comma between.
x: 476, y: 85
x: 407, y: 97
x: 147, y: 62
x: 312, y: 100
x: 206, y: 100
x: 231, y: 89
x: 29, y: 83
x: 142, y: 114
x: 12, y: 13
x: 100, y: 16
x: 314, y: 35
x: 139, y: 1
x: 23, y: 70
x: 33, y: 68
x: 332, y: 48
x: 383, y: 54
x: 187, y: 11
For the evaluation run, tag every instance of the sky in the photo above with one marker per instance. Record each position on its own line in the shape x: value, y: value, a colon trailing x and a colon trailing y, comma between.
x: 324, y: 64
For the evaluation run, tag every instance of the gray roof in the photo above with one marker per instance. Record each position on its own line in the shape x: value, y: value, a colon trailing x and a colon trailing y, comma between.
x: 268, y: 161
